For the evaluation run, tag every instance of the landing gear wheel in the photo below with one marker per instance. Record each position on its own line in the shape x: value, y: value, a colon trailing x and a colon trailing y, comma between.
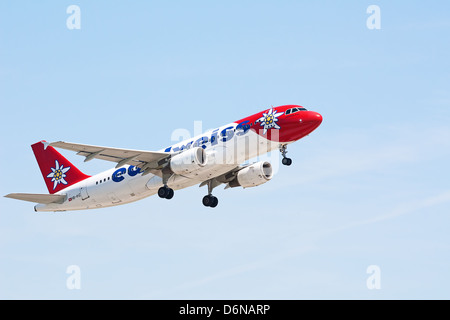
x: 165, y: 192
x: 214, y: 203
x: 207, y: 200
x: 286, y: 161
x: 210, y: 201
x: 170, y: 194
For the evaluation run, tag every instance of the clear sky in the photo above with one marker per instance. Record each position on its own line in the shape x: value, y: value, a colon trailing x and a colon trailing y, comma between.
x: 370, y: 187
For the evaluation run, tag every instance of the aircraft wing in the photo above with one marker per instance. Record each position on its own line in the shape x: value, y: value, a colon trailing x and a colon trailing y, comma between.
x: 138, y: 158
x: 224, y: 178
x: 39, y: 198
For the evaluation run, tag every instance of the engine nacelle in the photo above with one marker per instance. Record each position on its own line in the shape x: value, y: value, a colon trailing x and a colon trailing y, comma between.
x: 188, y: 161
x: 253, y: 175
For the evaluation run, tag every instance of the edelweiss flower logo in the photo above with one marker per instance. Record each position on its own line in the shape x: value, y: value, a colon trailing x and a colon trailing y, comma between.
x: 269, y: 119
x: 58, y: 174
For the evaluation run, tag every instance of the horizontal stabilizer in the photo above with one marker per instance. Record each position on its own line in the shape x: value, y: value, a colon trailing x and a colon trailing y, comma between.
x: 38, y: 198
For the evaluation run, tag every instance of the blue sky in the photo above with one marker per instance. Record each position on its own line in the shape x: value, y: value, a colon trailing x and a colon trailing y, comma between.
x: 369, y: 187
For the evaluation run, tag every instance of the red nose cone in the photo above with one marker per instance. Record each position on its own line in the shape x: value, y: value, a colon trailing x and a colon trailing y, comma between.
x: 311, y: 117
x: 309, y: 121
x: 317, y: 118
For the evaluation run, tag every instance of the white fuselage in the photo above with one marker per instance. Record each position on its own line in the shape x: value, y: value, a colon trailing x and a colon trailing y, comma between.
x: 226, y: 148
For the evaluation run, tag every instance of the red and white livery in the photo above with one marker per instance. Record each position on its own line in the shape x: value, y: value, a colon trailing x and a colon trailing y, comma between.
x: 211, y: 159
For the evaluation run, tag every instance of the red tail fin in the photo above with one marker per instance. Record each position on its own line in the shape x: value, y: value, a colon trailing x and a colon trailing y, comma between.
x: 57, y: 171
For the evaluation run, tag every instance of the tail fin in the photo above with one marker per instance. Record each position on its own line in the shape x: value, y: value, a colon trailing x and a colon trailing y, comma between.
x: 57, y: 171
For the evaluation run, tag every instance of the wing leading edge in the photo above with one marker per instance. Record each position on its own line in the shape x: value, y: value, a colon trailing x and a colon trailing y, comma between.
x: 139, y: 158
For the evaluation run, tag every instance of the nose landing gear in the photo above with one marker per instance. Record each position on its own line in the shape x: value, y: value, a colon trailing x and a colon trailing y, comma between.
x: 286, y: 161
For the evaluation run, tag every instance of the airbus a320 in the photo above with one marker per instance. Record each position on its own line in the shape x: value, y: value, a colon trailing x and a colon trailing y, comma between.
x: 217, y: 157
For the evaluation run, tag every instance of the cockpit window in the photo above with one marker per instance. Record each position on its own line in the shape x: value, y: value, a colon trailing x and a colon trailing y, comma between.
x: 294, y: 110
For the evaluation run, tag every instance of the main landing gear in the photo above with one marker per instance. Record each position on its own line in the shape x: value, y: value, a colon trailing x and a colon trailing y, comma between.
x: 286, y: 161
x: 165, y: 192
x: 209, y: 200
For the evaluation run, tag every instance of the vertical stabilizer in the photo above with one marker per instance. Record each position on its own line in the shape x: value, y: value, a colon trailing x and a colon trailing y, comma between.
x: 58, y: 172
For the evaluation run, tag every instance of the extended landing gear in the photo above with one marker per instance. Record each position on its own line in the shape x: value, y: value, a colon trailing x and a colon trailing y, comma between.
x: 210, y: 201
x: 165, y: 192
x: 286, y: 161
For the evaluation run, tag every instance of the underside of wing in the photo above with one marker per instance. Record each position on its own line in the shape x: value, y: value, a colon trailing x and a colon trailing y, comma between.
x: 38, y: 198
x: 247, y: 175
x: 139, y: 158
x: 224, y: 178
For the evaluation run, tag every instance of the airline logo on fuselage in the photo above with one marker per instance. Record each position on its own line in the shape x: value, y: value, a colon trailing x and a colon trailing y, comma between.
x: 224, y: 135
x: 117, y: 176
x: 269, y: 120
x: 216, y: 136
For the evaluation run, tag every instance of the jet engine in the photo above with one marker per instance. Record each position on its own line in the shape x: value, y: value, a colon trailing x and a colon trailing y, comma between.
x: 253, y: 175
x: 188, y: 161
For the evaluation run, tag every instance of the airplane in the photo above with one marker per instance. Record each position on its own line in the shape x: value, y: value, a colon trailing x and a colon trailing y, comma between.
x: 217, y: 157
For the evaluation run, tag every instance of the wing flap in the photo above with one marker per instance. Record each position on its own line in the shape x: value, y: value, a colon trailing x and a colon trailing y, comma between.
x: 38, y: 198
